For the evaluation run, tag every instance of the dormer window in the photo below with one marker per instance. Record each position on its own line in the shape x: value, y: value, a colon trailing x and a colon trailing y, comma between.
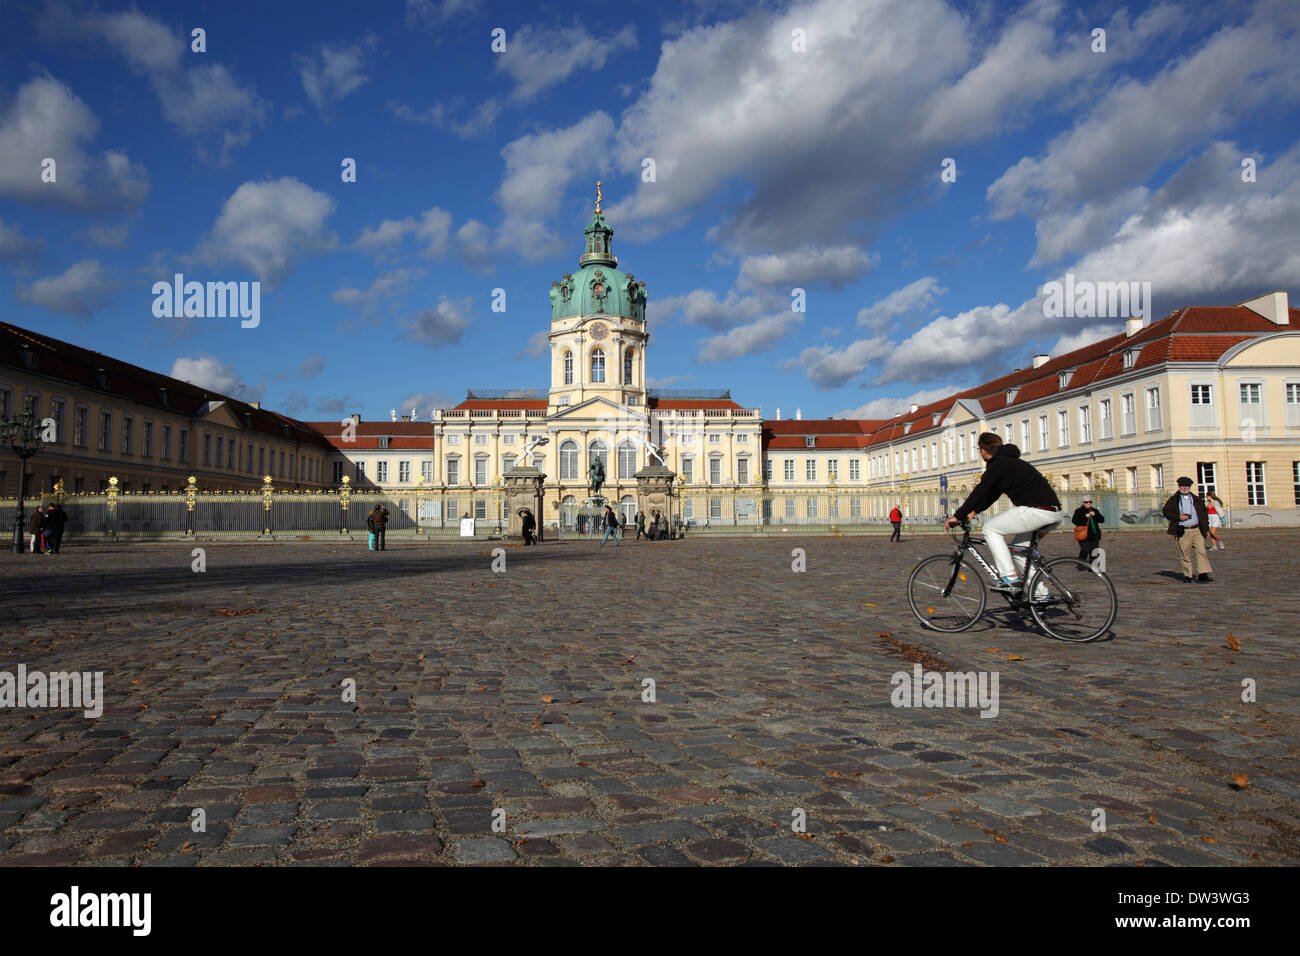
x: 29, y: 357
x: 907, y: 428
x: 101, y: 378
x: 162, y: 395
x: 1130, y: 358
x: 1062, y: 379
x: 1011, y: 395
x: 934, y: 419
x: 383, y: 441
x: 810, y: 441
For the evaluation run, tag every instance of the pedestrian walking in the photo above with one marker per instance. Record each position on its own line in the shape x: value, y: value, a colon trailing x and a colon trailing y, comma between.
x: 528, y: 525
x: 1213, y: 504
x: 1087, y: 522
x: 896, y: 519
x: 377, y: 522
x: 640, y: 524
x: 612, y: 526
x: 55, y: 520
x: 36, y: 530
x: 1189, y: 522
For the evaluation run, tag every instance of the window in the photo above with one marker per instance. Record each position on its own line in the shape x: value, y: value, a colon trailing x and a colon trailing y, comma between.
x: 1024, y: 434
x: 790, y: 508
x: 598, y: 366
x: 1110, y: 479
x: 742, y: 438
x: 715, y: 438
x: 1201, y: 394
x: 1250, y: 393
x: 508, y: 439
x: 788, y: 469
x: 381, y: 472
x: 337, y: 476
x: 855, y: 470
x: 715, y: 470
x: 480, y: 509
x: 688, y: 471
x: 507, y: 464
x: 810, y: 441
x: 453, y: 438
x: 383, y: 441
x: 128, y: 435
x: 6, y: 396
x: 359, y: 472
x: 961, y: 445
x: 1293, y: 404
x: 453, y: 471
x: 147, y: 438
x: 1085, y: 424
x: 166, y: 442
x: 1255, y: 494
x: 1157, y: 477
x: 626, y: 459
x: 812, y: 507
x: 855, y: 507
x: 480, y: 439
x: 564, y: 400
x: 568, y: 368
x: 715, y: 508
x: 207, y: 449
x: 810, y: 469
x: 627, y: 367
x: 1295, y: 479
x: 79, y: 427
x: 1202, y: 410
x: 230, y: 454
x: 767, y: 470
x: 426, y: 470
x: 598, y: 450
x: 32, y: 405
x: 56, y: 412
x: 1130, y: 357
x: 569, y: 460
x: 1154, y: 420
x: 688, y: 507
x: 924, y: 465
x: 480, y: 471
x: 1062, y: 428
x: 742, y: 471
x: 261, y: 459
x: 1062, y: 379
x: 250, y: 457
x: 1205, y: 482
x: 1131, y: 476
x: 1128, y: 421
x: 1042, y: 433
x: 1104, y: 416
x: 105, y: 431
x: 833, y: 469
x: 913, y: 458
x: 220, y: 449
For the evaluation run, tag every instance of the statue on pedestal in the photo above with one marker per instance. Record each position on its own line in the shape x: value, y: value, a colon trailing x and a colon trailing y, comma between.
x: 595, y: 477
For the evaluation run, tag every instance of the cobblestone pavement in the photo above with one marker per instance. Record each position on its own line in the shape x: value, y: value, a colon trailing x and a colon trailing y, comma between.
x: 523, y: 691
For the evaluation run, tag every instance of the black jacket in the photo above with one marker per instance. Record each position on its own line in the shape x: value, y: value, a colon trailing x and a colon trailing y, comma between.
x: 36, y: 523
x: 1171, y: 511
x: 1007, y: 474
x: 529, y: 522
x: 611, y: 519
x: 55, y: 519
x: 1081, y: 518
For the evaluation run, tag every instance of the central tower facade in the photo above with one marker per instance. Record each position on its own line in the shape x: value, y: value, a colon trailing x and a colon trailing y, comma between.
x: 598, y: 332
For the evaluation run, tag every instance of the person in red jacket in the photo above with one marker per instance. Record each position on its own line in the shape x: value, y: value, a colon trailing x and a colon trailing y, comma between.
x: 896, y: 519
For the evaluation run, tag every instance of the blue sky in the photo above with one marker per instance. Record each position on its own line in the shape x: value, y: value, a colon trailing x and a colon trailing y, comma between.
x: 795, y: 146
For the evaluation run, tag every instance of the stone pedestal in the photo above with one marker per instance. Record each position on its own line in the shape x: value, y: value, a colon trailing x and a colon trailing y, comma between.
x: 654, y: 487
x: 523, y: 489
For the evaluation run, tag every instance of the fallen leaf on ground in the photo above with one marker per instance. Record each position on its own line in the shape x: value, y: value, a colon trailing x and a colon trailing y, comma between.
x: 1240, y: 779
x: 1014, y: 657
x: 1232, y: 643
x: 547, y: 698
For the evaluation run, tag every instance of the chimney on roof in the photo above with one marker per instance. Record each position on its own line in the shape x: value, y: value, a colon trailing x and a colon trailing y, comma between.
x: 798, y: 414
x: 1040, y: 360
x: 1132, y: 327
x: 1272, y: 306
x: 912, y: 410
x: 257, y: 405
x: 356, y: 418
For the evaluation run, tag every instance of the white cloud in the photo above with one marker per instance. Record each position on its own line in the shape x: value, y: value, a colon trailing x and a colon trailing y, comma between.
x: 17, y: 248
x: 913, y: 297
x: 383, y: 288
x: 46, y: 119
x: 538, y: 344
x: 310, y: 367
x: 436, y: 12
x: 268, y: 226
x: 424, y: 403
x: 886, y: 408
x: 432, y: 228
x: 334, y: 71
x: 84, y: 287
x: 757, y: 336
x: 828, y: 367
x: 703, y: 307
x: 836, y: 266
x: 1077, y: 340
x: 149, y: 46
x: 210, y: 373
x: 537, y: 58
x: 441, y: 325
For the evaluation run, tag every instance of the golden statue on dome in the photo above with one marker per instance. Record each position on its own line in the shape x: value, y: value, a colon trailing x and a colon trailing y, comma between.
x: 599, y: 197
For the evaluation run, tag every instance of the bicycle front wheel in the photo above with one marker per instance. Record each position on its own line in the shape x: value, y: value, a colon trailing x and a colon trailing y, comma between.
x: 1072, y: 601
x: 945, y: 596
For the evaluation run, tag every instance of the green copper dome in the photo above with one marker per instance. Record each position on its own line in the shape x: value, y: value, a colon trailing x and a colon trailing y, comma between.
x: 598, y: 287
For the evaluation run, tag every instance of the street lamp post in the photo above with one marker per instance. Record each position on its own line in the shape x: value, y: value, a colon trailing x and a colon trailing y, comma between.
x: 23, y: 436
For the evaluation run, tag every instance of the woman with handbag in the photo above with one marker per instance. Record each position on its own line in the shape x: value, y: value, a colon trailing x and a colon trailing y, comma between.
x: 1087, y: 522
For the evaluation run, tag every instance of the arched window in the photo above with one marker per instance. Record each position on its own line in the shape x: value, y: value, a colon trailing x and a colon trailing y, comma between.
x: 568, y: 368
x: 598, y: 366
x: 626, y: 459
x: 569, y: 511
x: 598, y: 449
x: 627, y: 506
x: 627, y: 367
x: 569, y: 460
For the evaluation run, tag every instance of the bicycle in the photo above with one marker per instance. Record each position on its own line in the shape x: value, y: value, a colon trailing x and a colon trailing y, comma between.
x: 947, y: 594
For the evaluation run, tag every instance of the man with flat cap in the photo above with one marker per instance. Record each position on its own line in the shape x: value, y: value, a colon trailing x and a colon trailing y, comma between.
x: 1189, y: 522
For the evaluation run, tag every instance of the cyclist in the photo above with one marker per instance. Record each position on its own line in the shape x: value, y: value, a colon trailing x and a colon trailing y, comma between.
x: 1035, y: 505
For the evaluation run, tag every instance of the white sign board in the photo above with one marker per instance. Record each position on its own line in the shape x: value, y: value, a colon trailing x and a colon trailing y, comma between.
x: 467, y: 527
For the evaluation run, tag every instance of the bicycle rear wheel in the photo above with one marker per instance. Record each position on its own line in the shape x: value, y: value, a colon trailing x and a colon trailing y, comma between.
x: 1076, y: 606
x: 946, y: 596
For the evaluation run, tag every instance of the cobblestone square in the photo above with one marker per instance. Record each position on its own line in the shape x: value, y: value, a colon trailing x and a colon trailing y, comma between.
x: 499, y: 717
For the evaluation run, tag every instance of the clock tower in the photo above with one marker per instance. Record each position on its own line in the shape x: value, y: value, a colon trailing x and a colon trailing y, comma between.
x: 598, y: 335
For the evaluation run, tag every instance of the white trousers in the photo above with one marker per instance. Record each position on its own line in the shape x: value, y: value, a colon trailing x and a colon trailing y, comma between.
x: 1017, y: 523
